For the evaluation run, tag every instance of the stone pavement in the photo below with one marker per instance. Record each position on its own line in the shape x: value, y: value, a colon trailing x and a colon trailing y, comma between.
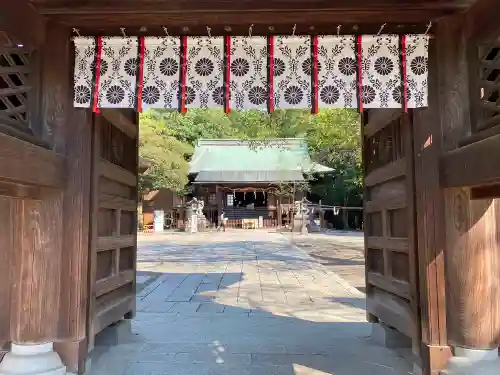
x: 240, y: 302
x: 340, y: 251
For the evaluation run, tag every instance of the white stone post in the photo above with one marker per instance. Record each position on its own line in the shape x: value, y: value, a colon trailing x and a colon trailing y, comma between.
x: 32, y: 359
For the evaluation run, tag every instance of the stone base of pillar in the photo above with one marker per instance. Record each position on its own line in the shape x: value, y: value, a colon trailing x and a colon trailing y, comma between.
x: 389, y: 337
x: 36, y: 359
x: 473, y: 362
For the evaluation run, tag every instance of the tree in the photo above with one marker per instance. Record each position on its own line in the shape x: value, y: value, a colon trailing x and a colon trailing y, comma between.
x: 167, y: 155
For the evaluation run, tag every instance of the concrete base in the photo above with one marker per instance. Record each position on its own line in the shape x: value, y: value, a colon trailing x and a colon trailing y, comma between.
x: 117, y: 333
x: 473, y: 362
x: 37, y: 359
x: 389, y: 337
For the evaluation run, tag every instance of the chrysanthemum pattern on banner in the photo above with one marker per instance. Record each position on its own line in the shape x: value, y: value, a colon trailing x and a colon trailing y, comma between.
x: 205, y: 69
x: 337, y: 78
x: 417, y: 56
x: 119, y: 68
x: 292, y: 72
x: 248, y: 72
x: 382, y: 85
x: 381, y: 67
x: 83, y: 74
x: 161, y: 72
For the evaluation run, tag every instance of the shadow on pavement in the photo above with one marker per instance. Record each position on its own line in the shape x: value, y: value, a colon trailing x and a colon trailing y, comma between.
x: 206, y: 337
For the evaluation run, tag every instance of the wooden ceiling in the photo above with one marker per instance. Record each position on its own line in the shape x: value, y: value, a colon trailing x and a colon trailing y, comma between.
x: 192, y: 16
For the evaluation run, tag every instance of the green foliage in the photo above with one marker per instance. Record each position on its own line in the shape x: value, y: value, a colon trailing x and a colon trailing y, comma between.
x: 333, y: 136
x: 167, y: 154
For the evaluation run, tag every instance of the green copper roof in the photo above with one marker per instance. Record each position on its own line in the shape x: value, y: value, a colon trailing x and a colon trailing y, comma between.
x: 250, y: 161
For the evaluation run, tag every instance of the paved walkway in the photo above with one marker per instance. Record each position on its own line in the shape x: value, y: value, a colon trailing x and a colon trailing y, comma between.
x: 243, y: 303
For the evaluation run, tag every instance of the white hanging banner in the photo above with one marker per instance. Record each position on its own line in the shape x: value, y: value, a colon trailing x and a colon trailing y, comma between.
x: 204, y: 79
x: 161, y: 72
x: 248, y: 71
x: 381, y: 67
x: 292, y: 72
x: 337, y: 72
x: 85, y: 48
x: 119, y: 68
x: 417, y: 56
x: 234, y: 73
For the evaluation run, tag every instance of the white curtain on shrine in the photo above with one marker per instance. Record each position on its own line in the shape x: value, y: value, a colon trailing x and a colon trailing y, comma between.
x: 417, y: 56
x: 161, y: 72
x: 292, y: 72
x: 381, y: 67
x: 85, y: 49
x: 205, y: 68
x: 337, y: 72
x: 248, y: 70
x: 392, y: 66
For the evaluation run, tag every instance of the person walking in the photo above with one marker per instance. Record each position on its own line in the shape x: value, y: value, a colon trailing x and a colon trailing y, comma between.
x: 222, y: 223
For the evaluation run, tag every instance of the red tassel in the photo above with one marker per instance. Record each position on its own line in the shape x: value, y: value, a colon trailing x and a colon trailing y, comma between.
x: 183, y: 74
x: 315, y: 73
x: 271, y: 74
x: 360, y: 72
x: 141, y: 73
x: 405, y: 78
x: 228, y: 74
x: 95, y: 108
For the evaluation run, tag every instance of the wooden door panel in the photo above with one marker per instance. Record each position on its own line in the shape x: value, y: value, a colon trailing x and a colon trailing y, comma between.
x: 390, y: 247
x: 114, y: 220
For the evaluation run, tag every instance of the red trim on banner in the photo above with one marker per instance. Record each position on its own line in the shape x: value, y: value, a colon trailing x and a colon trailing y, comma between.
x: 271, y: 73
x: 142, y: 50
x: 228, y: 74
x: 360, y: 72
x: 95, y: 106
x: 404, y: 78
x: 183, y: 74
x: 315, y: 75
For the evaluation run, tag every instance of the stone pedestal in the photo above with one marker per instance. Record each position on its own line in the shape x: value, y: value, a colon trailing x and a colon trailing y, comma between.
x: 35, y: 359
x: 473, y: 362
x: 389, y: 337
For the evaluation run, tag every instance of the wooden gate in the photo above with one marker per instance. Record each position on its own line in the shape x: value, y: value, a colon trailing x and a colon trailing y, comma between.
x: 113, y: 219
x: 390, y: 222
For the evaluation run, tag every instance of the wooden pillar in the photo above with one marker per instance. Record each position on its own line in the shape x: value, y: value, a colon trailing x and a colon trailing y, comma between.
x: 472, y: 254
x: 431, y: 240
x: 461, y: 309
x: 71, y: 132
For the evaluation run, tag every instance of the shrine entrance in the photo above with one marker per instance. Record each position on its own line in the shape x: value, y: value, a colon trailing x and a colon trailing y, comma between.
x: 68, y: 175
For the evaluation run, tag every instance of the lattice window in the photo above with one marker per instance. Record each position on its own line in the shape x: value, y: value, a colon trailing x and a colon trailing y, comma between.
x: 489, y: 75
x: 14, y: 87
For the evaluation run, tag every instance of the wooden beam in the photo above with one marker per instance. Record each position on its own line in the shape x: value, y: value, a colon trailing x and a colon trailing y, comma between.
x: 110, y: 6
x: 386, y: 173
x: 20, y: 191
x: 24, y: 163
x: 482, y: 21
x: 118, y: 119
x: 114, y: 202
x: 393, y: 244
x: 472, y: 165
x: 115, y: 242
x: 112, y: 313
x: 116, y: 173
x: 96, y: 18
x: 380, y: 118
x: 391, y: 203
x: 399, y: 288
x: 113, y: 282
x: 15, y: 16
